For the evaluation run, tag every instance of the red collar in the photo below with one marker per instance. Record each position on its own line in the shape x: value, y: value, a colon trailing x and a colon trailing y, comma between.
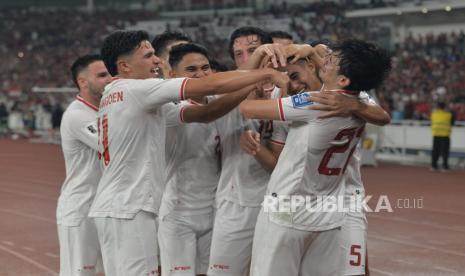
x: 93, y: 107
x: 342, y: 91
x: 115, y: 78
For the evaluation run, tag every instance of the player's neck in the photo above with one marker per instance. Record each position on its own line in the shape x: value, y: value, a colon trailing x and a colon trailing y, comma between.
x: 88, y: 98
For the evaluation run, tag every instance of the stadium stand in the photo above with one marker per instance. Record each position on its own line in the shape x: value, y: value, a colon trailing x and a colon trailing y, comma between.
x: 34, y: 54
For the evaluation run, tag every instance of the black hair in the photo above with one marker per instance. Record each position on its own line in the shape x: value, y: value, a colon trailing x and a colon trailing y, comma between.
x: 326, y: 42
x: 161, y: 41
x: 441, y: 105
x: 365, y: 64
x: 81, y: 64
x: 217, y: 66
x: 120, y: 43
x: 179, y: 51
x: 281, y: 34
x: 264, y: 37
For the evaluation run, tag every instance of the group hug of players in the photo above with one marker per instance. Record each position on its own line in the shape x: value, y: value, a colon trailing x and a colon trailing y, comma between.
x: 169, y: 156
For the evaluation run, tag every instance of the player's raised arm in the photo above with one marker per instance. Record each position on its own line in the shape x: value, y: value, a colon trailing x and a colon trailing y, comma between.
x: 215, y: 109
x: 260, y: 109
x: 294, y: 108
x: 226, y: 82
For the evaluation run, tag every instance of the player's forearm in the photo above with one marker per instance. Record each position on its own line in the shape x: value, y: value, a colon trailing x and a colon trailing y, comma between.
x: 225, y: 82
x: 266, y: 158
x: 260, y: 109
x: 217, y: 108
x: 372, y: 114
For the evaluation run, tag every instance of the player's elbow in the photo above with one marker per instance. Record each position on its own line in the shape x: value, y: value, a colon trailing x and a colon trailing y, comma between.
x: 386, y: 119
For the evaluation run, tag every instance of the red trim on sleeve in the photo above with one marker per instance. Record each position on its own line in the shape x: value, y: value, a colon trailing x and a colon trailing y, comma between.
x: 181, y: 114
x: 277, y: 142
x: 281, y: 112
x: 93, y: 107
x: 183, y: 87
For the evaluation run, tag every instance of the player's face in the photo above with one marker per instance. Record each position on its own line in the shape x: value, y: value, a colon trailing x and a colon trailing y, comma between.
x: 143, y: 63
x: 283, y: 41
x: 192, y: 65
x: 97, y: 78
x: 243, y: 48
x: 302, y: 77
x: 297, y: 76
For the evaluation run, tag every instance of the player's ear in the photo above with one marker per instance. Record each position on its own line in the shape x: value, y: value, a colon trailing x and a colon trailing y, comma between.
x: 82, y: 82
x: 123, y: 66
x: 343, y: 81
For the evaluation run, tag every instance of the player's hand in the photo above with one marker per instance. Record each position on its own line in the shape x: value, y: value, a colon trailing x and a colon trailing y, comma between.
x: 335, y: 104
x: 281, y: 79
x: 299, y: 51
x: 250, y: 142
x: 273, y: 53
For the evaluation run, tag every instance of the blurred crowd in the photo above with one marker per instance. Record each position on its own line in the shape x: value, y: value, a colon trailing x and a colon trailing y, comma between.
x: 38, y: 46
x: 426, y: 70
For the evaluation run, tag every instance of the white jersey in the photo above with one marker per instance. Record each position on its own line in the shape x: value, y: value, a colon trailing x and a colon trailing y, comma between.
x: 354, y: 183
x: 311, y: 165
x: 79, y: 143
x: 193, y: 166
x: 132, y: 132
x: 243, y: 180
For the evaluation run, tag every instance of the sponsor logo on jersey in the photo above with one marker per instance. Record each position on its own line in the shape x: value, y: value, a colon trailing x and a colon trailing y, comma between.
x: 301, y: 100
x: 92, y: 129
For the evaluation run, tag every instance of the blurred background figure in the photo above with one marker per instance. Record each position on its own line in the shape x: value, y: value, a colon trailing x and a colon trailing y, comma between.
x: 442, y: 121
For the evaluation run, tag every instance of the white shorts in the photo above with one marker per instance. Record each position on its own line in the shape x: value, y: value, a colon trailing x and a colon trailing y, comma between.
x: 129, y: 246
x: 232, y: 239
x: 279, y: 250
x: 185, y: 243
x: 353, y: 243
x: 79, y: 249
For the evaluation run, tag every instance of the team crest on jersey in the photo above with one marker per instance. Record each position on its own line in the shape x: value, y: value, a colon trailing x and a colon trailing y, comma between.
x: 92, y: 129
x: 301, y: 99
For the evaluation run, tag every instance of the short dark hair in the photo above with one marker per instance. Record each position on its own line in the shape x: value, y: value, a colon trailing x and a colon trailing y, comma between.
x: 364, y: 63
x: 81, y: 64
x: 441, y: 105
x: 281, y: 34
x: 326, y: 42
x: 179, y: 51
x: 264, y: 37
x: 120, y: 43
x: 161, y: 41
x: 218, y: 66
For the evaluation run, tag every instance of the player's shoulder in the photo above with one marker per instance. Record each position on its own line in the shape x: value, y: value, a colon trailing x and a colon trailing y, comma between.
x: 77, y: 111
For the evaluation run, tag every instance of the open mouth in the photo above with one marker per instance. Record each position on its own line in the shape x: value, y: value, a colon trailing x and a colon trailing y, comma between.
x: 155, y: 71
